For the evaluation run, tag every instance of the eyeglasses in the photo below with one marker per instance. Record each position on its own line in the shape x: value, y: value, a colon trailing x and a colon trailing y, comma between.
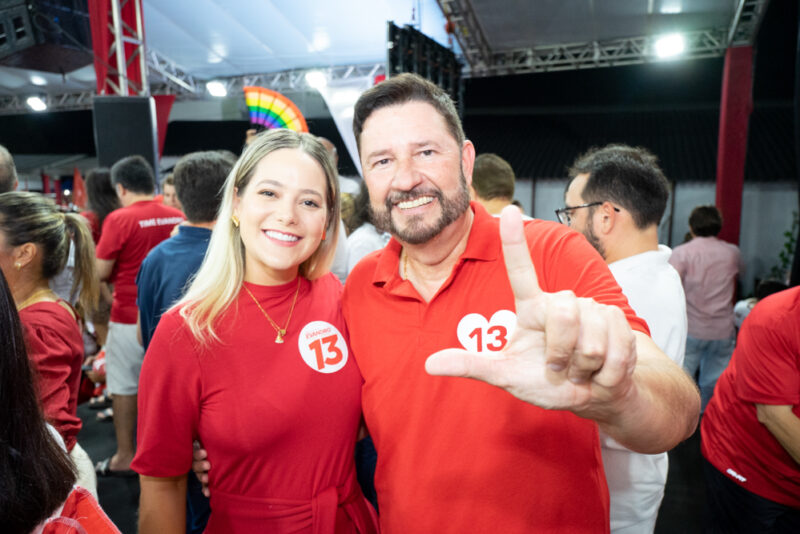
x: 565, y: 214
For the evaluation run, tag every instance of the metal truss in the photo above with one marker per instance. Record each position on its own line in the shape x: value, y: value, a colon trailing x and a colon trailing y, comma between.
x: 611, y: 53
x: 295, y: 79
x: 469, y: 34
x: 170, y: 79
x: 126, y: 28
x: 483, y: 61
x: 15, y: 104
x: 173, y: 79
x: 746, y: 22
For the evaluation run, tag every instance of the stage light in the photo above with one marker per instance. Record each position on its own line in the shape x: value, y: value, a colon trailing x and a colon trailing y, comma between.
x: 36, y: 103
x: 316, y: 79
x: 671, y: 7
x: 38, y: 80
x: 216, y: 88
x: 670, y: 45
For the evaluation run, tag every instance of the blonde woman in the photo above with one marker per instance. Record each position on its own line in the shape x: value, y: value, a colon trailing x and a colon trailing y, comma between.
x: 254, y: 362
x: 34, y: 245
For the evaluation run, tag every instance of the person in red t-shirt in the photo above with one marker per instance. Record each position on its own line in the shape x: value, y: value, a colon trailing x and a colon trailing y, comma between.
x: 262, y: 319
x: 128, y: 234
x: 751, y: 427
x: 35, y: 239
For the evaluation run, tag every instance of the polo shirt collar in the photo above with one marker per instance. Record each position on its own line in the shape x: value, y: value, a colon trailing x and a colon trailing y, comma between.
x: 483, y: 244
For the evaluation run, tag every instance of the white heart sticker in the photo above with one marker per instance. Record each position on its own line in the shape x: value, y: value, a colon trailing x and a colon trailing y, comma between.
x: 476, y: 334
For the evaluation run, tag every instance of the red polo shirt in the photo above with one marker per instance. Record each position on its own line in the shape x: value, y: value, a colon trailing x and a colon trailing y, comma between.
x: 458, y: 455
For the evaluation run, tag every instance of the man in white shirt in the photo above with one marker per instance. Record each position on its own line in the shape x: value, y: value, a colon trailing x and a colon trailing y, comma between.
x: 616, y: 198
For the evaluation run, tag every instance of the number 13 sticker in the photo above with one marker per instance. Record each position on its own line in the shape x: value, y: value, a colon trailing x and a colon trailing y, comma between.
x: 479, y: 335
x: 322, y: 347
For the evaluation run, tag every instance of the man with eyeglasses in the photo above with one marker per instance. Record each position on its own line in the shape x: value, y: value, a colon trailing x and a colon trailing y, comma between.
x: 616, y: 198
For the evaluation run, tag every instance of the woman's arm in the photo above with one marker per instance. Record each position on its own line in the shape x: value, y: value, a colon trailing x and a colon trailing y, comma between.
x: 162, y: 505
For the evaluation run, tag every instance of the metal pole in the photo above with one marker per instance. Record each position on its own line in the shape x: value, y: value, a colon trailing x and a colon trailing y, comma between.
x: 119, y: 47
x: 142, y: 50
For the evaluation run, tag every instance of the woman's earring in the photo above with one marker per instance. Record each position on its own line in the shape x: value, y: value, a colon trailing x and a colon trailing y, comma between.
x: 235, y: 220
x: 324, y: 233
x: 18, y: 265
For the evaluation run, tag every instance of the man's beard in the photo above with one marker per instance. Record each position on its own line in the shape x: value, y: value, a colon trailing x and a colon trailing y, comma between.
x: 415, y: 232
x: 592, y: 238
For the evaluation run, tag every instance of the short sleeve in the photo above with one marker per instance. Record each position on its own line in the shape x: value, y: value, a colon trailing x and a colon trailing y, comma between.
x: 170, y: 389
x: 51, y: 358
x: 766, y: 364
x: 564, y: 260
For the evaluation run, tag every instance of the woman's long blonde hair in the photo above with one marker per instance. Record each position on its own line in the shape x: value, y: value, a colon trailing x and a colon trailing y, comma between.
x: 220, y: 277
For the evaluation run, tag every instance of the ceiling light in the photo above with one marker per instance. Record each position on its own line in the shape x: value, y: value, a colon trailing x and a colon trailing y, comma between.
x: 320, y: 41
x: 216, y: 88
x: 670, y: 45
x: 36, y: 103
x: 38, y: 80
x: 671, y: 7
x: 316, y: 79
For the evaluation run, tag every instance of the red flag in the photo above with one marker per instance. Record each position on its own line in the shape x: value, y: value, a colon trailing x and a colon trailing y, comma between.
x: 78, y: 189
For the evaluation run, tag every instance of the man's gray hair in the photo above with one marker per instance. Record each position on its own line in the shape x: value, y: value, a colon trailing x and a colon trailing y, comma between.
x: 8, y: 172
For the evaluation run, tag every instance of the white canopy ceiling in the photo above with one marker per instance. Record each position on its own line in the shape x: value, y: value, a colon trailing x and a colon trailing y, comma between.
x: 223, y: 38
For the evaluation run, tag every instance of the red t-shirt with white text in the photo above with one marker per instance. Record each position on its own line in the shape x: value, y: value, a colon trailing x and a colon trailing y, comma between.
x: 128, y: 235
x: 764, y: 369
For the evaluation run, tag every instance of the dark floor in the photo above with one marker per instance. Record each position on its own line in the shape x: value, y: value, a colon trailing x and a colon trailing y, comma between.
x: 119, y: 497
x: 681, y: 510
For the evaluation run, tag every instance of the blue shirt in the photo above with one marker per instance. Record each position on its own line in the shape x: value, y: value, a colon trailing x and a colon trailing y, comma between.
x: 164, y: 272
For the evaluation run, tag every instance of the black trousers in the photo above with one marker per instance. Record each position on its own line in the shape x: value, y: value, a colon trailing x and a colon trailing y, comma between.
x: 732, y: 509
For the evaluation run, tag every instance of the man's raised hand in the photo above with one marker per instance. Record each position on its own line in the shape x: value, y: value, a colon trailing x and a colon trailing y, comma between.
x: 566, y: 352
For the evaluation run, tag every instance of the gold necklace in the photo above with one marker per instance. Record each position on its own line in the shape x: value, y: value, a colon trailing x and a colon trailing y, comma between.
x: 405, y: 265
x: 32, y: 298
x: 281, y: 331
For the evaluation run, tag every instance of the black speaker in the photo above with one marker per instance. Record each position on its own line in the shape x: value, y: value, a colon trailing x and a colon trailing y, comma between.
x: 409, y: 50
x: 125, y: 126
x: 16, y: 32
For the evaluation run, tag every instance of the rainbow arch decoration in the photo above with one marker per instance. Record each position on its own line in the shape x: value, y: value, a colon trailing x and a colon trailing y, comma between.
x: 271, y: 109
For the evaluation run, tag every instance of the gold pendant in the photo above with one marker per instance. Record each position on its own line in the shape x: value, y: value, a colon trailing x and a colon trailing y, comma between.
x: 279, y: 338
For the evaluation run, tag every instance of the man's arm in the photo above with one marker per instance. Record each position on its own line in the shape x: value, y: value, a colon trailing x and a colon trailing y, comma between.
x: 783, y: 424
x: 570, y: 353
x: 660, y: 400
x: 104, y: 268
x: 139, y: 328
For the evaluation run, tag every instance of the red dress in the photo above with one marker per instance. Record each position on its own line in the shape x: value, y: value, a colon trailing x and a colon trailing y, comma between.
x: 55, y: 346
x: 279, y: 421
